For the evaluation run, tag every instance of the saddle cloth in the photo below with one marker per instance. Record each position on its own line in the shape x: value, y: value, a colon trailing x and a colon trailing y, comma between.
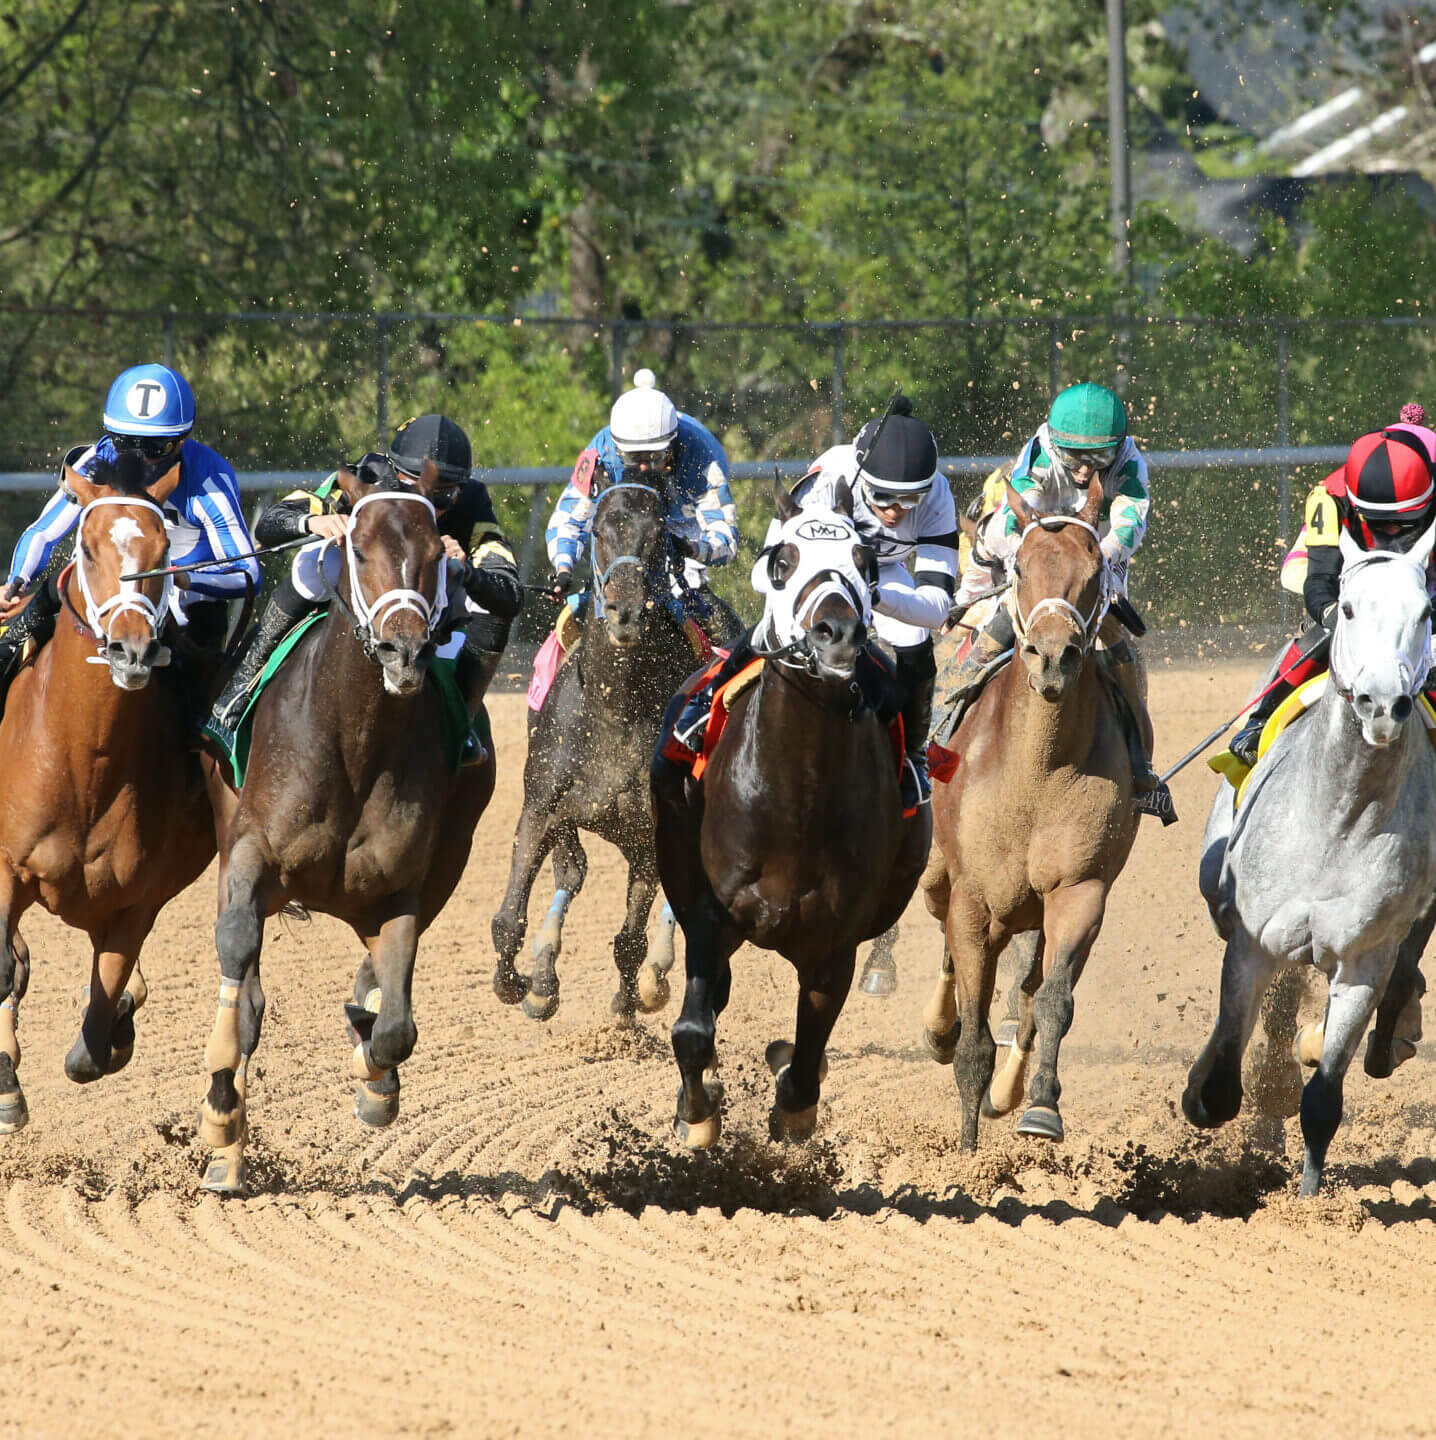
x: 465, y: 742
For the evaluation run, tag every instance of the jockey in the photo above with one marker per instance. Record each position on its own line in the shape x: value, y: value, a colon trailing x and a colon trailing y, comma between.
x: 484, y: 604
x: 1384, y: 497
x: 647, y: 441
x: 149, y: 410
x: 903, y: 509
x: 1085, y: 437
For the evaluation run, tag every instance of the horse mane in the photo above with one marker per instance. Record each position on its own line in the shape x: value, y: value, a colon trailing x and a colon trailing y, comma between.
x: 125, y: 473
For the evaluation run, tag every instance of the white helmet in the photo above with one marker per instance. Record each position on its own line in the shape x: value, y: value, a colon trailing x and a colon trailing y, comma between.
x: 643, y: 418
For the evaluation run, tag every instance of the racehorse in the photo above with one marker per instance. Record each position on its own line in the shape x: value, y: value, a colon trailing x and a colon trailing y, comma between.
x: 1033, y: 828
x: 1330, y: 858
x: 350, y: 806
x: 589, y: 749
x: 795, y: 838
x: 103, y: 817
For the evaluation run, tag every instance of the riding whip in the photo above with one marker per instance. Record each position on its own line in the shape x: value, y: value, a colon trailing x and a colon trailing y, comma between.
x: 223, y: 559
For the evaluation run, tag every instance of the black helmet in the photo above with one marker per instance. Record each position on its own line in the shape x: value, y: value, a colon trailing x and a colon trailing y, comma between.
x: 436, y: 438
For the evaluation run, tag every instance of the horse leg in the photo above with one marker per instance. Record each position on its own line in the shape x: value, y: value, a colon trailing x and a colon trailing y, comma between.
x: 940, y: 1027
x: 1214, y: 1083
x: 1071, y: 918
x: 532, y: 841
x: 709, y: 940
x: 239, y: 937
x: 653, y: 988
x: 631, y: 942
x: 387, y: 1039
x: 802, y: 1067
x: 14, y: 1113
x: 1273, y: 1076
x: 1010, y: 1082
x: 570, y: 866
x: 107, y: 1033
x: 1348, y: 1012
x: 974, y: 963
x: 879, y: 976
x: 1398, y: 1015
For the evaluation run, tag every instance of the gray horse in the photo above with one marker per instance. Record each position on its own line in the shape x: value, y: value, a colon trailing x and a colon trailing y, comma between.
x: 1330, y: 859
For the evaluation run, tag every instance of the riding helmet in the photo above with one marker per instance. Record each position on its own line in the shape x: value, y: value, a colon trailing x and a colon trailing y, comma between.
x: 1087, y: 417
x: 149, y: 400
x: 643, y: 418
x: 1387, y: 479
x: 896, y: 452
x: 436, y: 438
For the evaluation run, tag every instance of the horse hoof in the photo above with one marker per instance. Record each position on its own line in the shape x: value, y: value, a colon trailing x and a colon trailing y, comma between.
x: 701, y: 1134
x: 942, y: 1048
x: 653, y: 990
x: 220, y: 1131
x: 879, y: 981
x: 80, y: 1065
x: 1042, y: 1121
x: 226, y: 1174
x: 14, y: 1113
x: 510, y: 988
x: 792, y: 1126
x: 540, y: 1007
x: 1308, y: 1045
x: 779, y: 1056
x: 374, y: 1109
x: 1401, y: 1051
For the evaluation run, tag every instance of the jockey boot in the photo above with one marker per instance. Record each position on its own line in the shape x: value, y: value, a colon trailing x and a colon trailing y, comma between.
x: 994, y: 639
x: 1122, y: 666
x: 284, y: 609
x: 27, y: 632
x: 692, y: 720
x: 478, y: 661
x: 917, y: 673
x: 1301, y: 660
x: 1244, y: 743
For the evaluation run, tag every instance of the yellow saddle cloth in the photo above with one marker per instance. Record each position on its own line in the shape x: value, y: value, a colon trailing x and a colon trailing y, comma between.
x: 1238, y: 772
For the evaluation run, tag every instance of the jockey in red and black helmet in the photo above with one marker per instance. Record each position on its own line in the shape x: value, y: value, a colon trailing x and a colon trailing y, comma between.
x: 1384, y: 497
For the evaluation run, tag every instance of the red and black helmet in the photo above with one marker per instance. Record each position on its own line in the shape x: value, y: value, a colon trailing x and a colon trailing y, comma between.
x: 1385, y: 485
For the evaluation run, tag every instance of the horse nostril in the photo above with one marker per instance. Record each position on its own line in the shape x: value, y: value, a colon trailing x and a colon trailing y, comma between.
x: 1363, y: 701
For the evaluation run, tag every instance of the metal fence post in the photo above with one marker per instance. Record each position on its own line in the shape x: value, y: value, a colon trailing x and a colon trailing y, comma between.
x: 1283, y: 438
x: 838, y: 379
x: 381, y: 399
x: 1054, y: 360
x: 533, y: 533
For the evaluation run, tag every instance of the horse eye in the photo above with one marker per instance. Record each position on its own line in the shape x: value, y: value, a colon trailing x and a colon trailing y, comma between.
x: 1350, y: 613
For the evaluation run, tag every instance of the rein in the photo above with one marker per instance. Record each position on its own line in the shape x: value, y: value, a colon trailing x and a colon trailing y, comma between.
x: 100, y: 615
x: 369, y: 616
x: 1086, y: 626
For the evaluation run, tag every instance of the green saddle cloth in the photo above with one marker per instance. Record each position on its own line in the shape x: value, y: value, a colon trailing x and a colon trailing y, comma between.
x: 464, y: 743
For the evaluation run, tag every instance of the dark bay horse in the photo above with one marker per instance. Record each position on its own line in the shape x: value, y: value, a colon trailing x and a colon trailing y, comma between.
x: 1033, y: 828
x: 103, y: 816
x: 794, y: 839
x: 589, y: 750
x: 349, y: 806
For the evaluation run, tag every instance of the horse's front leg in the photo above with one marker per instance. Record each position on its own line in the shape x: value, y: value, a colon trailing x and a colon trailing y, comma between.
x: 570, y: 868
x: 802, y: 1066
x: 1071, y: 918
x: 116, y: 990
x: 1018, y: 1030
x: 537, y: 830
x: 709, y: 940
x: 630, y: 945
x: 387, y: 1039
x: 974, y: 963
x: 1273, y: 1077
x: 1214, y: 1084
x: 1352, y: 999
x: 251, y: 882
x: 940, y: 1026
x: 14, y: 1113
x: 1398, y: 1013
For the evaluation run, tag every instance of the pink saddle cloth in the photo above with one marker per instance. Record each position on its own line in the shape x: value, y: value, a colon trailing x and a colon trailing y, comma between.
x: 546, y: 663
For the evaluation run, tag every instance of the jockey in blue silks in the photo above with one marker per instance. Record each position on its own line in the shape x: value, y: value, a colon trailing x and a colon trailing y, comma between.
x: 647, y: 441
x: 149, y: 411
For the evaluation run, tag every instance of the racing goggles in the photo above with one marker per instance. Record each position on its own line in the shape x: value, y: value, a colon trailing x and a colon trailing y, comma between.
x: 441, y: 495
x: 151, y: 447
x: 1098, y: 459
x: 881, y: 498
x: 647, y: 460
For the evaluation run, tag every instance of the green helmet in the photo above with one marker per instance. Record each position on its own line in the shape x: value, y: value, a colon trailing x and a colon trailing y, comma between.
x: 1087, y: 417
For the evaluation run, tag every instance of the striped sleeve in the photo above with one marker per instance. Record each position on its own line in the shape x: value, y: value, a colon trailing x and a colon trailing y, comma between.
x: 1127, y: 515
x: 717, y: 518
x: 1022, y: 482
x: 37, y: 544
x: 217, y: 513
x: 568, y: 528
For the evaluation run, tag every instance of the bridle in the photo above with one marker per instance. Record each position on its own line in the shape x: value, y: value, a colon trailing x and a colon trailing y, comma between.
x: 100, y: 615
x: 601, y: 577
x: 1413, y: 677
x: 1087, y: 625
x: 369, y: 616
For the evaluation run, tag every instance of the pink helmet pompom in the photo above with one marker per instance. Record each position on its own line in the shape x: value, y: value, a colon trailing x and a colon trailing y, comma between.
x: 1413, y: 414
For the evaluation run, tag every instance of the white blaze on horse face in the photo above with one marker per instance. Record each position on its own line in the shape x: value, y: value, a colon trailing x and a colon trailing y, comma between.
x: 125, y: 536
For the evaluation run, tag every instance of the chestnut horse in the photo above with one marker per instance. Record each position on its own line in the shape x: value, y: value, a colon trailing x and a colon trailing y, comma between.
x: 795, y: 838
x: 349, y: 806
x: 1034, y: 826
x: 103, y: 817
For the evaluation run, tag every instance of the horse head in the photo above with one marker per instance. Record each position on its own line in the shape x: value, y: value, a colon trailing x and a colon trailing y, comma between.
x: 1059, y: 591
x: 818, y: 585
x: 397, y: 579
x: 121, y: 532
x: 1381, y: 644
x: 630, y: 554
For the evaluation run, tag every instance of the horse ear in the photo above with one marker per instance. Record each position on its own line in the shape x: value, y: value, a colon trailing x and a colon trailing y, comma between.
x: 1092, y: 510
x: 1019, y: 507
x: 1421, y: 551
x: 786, y: 506
x: 1350, y: 550
x: 843, y: 499
x: 78, y: 488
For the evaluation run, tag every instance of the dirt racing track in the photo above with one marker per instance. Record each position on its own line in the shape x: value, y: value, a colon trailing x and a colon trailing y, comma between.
x: 527, y: 1251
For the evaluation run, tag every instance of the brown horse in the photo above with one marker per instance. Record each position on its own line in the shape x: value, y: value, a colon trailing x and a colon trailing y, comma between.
x: 795, y: 838
x: 1034, y: 826
x: 103, y: 817
x: 349, y: 807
